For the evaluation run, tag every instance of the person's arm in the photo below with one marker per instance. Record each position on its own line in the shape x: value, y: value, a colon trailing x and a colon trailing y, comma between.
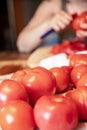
x: 46, y: 17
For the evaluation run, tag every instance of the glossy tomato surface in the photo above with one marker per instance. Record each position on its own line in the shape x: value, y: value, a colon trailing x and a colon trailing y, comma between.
x: 78, y: 59
x: 17, y: 115
x: 38, y: 81
x: 77, y: 72
x: 69, y: 47
x: 62, y: 75
x: 82, y: 81
x: 79, y: 96
x: 10, y: 90
x: 55, y: 113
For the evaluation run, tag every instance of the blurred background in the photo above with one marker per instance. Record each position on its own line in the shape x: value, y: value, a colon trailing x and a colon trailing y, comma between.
x: 14, y: 15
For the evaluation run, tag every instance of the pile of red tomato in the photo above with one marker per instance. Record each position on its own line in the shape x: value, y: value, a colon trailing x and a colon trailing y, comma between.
x: 37, y: 98
x: 70, y: 47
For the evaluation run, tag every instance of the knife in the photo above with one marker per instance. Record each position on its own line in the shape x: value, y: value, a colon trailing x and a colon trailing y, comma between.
x: 52, y: 30
x: 47, y: 33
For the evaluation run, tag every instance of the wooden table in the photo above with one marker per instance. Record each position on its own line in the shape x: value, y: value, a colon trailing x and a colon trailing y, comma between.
x: 12, y: 61
x: 7, y: 58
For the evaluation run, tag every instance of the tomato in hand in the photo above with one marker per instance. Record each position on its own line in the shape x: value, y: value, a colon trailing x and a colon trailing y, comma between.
x: 10, y: 90
x: 17, y: 115
x: 38, y: 81
x: 80, y: 19
x: 62, y: 75
x: 55, y: 113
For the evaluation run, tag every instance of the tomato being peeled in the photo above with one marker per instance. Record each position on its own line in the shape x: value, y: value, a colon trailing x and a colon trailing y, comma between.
x: 80, y: 19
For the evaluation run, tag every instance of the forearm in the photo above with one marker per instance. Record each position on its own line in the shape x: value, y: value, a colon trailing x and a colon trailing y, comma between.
x: 29, y: 39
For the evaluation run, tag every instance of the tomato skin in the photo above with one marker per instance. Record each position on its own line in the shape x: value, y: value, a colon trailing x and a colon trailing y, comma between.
x: 38, y: 81
x: 80, y: 19
x: 62, y: 75
x: 18, y: 75
x: 55, y: 113
x: 17, y: 115
x: 65, y: 47
x: 79, y: 96
x: 69, y: 47
x: 77, y: 72
x: 78, y: 59
x: 82, y: 81
x: 10, y: 90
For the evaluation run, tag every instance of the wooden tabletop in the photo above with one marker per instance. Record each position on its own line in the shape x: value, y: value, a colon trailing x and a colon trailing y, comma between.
x: 12, y: 61
x: 13, y: 56
x: 7, y: 58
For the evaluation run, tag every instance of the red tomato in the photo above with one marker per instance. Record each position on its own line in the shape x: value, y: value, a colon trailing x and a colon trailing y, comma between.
x: 69, y: 47
x: 82, y: 81
x: 79, y: 96
x: 17, y: 115
x: 38, y: 82
x: 18, y: 75
x: 81, y: 19
x: 62, y: 75
x: 10, y: 90
x: 64, y: 47
x: 55, y: 113
x: 77, y: 73
x: 78, y: 59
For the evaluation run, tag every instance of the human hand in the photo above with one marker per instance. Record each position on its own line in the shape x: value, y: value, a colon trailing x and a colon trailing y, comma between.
x: 60, y: 21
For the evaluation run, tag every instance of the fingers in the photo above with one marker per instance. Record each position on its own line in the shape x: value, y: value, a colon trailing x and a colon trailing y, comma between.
x: 60, y: 21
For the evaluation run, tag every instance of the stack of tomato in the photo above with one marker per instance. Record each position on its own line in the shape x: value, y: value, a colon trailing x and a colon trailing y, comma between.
x: 37, y: 98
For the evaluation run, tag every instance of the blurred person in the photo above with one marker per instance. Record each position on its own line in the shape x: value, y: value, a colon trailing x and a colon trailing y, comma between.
x: 51, y: 14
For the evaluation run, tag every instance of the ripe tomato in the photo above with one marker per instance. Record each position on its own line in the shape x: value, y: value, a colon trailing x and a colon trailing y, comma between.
x: 82, y: 81
x: 18, y: 75
x: 80, y: 19
x: 55, y: 113
x: 64, y: 47
x: 10, y: 90
x: 17, y: 115
x: 79, y: 96
x: 62, y: 75
x: 38, y: 81
x: 69, y: 47
x: 77, y: 72
x: 78, y: 59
